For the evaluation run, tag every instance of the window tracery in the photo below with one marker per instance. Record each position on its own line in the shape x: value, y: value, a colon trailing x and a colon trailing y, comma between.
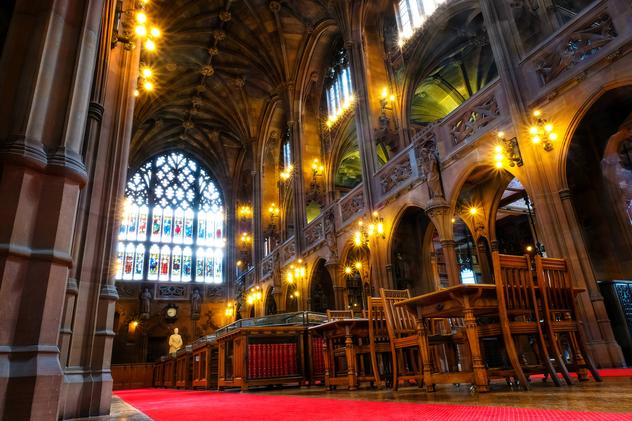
x: 172, y: 228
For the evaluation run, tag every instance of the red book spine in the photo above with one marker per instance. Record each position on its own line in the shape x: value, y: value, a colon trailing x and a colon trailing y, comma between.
x: 268, y: 360
x: 283, y: 367
x: 275, y: 360
x: 261, y: 361
x: 288, y: 366
x: 251, y: 360
x: 255, y: 361
x: 293, y: 369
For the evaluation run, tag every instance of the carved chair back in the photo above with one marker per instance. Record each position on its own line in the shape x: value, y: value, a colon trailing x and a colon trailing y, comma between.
x: 339, y: 314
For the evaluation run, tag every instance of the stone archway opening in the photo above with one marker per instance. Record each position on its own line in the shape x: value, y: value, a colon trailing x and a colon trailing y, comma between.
x: 321, y: 290
x: 599, y: 176
x: 416, y: 256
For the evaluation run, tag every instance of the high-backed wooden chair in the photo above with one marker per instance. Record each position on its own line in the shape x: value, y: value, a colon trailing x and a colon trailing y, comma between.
x: 379, y: 344
x: 339, y: 314
x: 560, y: 317
x: 404, y: 337
x: 517, y: 316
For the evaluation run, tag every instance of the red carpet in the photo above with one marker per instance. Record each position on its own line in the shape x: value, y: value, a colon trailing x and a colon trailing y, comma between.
x: 168, y: 405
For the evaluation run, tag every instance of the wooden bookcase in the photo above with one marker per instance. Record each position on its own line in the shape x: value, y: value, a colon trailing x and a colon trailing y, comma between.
x: 204, y: 357
x: 183, y: 368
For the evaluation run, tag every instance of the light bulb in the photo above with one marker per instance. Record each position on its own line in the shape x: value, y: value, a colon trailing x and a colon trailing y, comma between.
x: 499, y: 157
x: 537, y: 113
x: 499, y: 164
x: 150, y: 45
x: 535, y: 139
x: 498, y: 148
x: 155, y: 32
x: 141, y: 17
x: 552, y: 136
x: 533, y: 130
x: 548, y: 127
x: 147, y: 72
x: 136, y: 92
x: 148, y: 86
x: 141, y: 31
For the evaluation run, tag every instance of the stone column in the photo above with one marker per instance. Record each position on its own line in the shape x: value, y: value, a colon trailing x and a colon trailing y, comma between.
x: 439, y: 213
x: 354, y: 45
x: 46, y: 72
x: 591, y: 305
x: 86, y: 357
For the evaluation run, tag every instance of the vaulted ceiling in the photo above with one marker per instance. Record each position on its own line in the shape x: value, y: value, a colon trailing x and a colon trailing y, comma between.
x: 222, y: 73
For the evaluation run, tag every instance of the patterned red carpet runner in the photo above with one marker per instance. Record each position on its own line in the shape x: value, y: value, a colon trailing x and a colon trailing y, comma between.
x: 177, y: 405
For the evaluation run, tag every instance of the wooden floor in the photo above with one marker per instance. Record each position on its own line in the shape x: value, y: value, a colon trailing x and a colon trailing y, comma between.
x: 613, y: 395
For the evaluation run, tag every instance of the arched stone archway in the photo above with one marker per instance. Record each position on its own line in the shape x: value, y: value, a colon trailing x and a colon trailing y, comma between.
x: 416, y: 255
x: 321, y: 289
x: 599, y: 176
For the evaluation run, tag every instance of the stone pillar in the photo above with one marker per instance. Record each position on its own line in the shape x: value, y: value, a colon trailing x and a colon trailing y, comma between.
x: 440, y: 214
x: 89, y: 318
x: 354, y: 44
x: 597, y: 324
x: 46, y: 72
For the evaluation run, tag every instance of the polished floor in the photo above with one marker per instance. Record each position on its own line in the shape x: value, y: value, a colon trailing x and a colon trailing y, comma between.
x: 613, y: 395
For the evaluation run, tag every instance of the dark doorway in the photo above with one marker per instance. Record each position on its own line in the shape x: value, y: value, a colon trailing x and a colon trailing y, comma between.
x: 321, y: 290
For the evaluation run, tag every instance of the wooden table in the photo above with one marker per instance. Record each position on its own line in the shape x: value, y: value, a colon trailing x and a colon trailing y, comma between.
x: 347, y: 329
x: 468, y: 301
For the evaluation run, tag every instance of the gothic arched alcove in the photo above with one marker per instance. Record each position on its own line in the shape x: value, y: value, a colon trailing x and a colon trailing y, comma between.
x: 599, y: 178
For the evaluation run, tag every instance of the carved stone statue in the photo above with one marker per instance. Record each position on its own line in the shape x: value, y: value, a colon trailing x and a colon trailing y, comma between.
x: 196, y: 301
x: 330, y: 240
x: 430, y: 165
x: 276, y: 269
x: 330, y: 236
x: 145, y: 304
x: 175, y: 342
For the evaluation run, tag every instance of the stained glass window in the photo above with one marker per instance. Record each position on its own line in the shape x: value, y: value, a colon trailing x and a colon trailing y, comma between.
x: 413, y: 13
x: 172, y: 227
x: 339, y: 92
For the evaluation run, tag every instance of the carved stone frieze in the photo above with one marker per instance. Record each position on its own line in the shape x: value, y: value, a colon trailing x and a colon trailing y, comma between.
x: 576, y: 48
x: 288, y: 251
x: 395, y: 174
x: 127, y: 291
x: 473, y: 119
x: 314, y: 233
x: 266, y: 267
x: 172, y: 291
x: 352, y: 204
x: 215, y: 293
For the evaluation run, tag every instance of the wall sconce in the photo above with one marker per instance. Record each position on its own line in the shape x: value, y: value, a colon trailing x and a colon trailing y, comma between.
x: 244, y: 212
x: 287, y: 172
x: 143, y: 31
x: 386, y: 100
x: 374, y: 228
x: 273, y: 210
x: 230, y: 310
x: 296, y: 272
x: 245, y: 239
x: 317, y: 168
x: 254, y: 295
x: 542, y: 131
x: 507, y: 150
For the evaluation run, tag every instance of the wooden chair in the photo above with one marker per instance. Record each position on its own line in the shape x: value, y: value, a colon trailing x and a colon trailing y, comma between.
x: 379, y: 344
x: 339, y: 314
x: 560, y: 317
x: 518, y: 316
x: 404, y: 337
